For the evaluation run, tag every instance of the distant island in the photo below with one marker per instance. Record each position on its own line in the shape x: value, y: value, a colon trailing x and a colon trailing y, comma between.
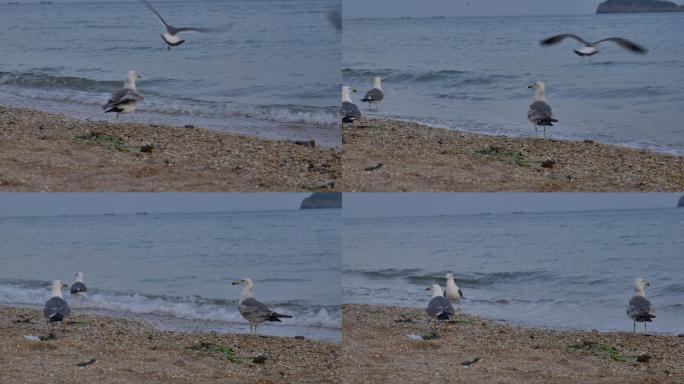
x: 322, y: 200
x: 638, y: 6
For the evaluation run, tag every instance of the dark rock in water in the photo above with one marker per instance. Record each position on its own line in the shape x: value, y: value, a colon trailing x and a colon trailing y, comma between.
x: 681, y: 202
x: 322, y: 200
x: 189, y: 126
x: 638, y: 6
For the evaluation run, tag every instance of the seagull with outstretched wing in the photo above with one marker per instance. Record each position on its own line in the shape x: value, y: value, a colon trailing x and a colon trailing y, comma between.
x: 170, y: 34
x: 590, y: 49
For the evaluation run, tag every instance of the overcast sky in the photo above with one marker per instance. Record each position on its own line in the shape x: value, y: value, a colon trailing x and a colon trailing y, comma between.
x: 426, y: 8
x: 50, y: 204
x: 431, y: 204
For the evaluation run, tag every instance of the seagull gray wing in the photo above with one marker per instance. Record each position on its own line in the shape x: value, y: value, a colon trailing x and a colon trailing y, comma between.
x: 78, y: 287
x: 373, y: 95
x: 350, y: 111
x: 639, y: 309
x: 123, y: 96
x: 540, y: 113
x: 558, y: 38
x: 440, y: 308
x: 156, y: 13
x: 626, y: 44
x: 56, y: 309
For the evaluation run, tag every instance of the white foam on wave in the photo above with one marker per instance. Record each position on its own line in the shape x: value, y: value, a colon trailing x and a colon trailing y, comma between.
x: 182, y: 107
x: 179, y: 308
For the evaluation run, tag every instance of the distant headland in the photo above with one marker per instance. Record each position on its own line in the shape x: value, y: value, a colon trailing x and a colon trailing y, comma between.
x: 638, y: 6
x: 322, y: 200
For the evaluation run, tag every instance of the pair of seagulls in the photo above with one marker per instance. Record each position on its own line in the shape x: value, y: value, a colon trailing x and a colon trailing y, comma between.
x: 56, y: 309
x: 440, y: 306
x: 349, y: 111
x: 126, y: 99
x: 540, y: 113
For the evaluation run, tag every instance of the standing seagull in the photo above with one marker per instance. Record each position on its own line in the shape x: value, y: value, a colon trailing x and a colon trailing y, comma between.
x: 639, y: 308
x: 126, y: 99
x: 79, y: 288
x: 590, y: 49
x: 349, y: 110
x: 253, y: 310
x: 453, y: 292
x: 56, y: 309
x: 375, y: 95
x: 439, y: 308
x: 540, y: 113
x: 170, y: 33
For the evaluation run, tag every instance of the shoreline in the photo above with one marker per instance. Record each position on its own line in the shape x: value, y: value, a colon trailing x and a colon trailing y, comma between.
x: 387, y: 155
x: 48, y: 152
x: 132, y: 351
x: 471, y: 349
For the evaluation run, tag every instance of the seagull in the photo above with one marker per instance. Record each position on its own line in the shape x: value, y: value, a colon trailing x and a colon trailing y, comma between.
x: 170, y: 33
x: 439, y: 308
x: 453, y: 292
x: 375, y: 95
x: 349, y: 110
x: 639, y: 308
x: 56, y: 309
x: 590, y: 49
x: 540, y: 113
x: 253, y: 310
x: 79, y: 288
x: 126, y: 99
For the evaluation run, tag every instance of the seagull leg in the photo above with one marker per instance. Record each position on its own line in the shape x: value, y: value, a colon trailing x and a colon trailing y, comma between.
x: 634, y: 326
x: 255, y: 329
x: 545, y: 131
x: 644, y: 327
x: 117, y: 116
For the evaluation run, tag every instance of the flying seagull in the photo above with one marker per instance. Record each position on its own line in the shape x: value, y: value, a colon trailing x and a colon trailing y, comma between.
x: 253, y: 310
x: 56, y: 309
x: 349, y: 110
x: 375, y: 95
x: 170, y: 34
x: 453, y: 292
x: 540, y: 113
x: 126, y: 99
x: 79, y: 288
x: 590, y: 49
x: 639, y: 308
x: 439, y: 308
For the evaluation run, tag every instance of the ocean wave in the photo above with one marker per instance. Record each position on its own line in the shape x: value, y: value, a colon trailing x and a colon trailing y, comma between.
x: 414, y: 276
x: 83, y: 91
x: 188, y: 308
x: 446, y: 77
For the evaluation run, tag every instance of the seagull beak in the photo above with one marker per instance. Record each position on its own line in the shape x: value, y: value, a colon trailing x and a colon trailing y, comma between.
x: 65, y: 285
x: 530, y: 86
x: 235, y: 283
x: 427, y: 289
x: 354, y: 90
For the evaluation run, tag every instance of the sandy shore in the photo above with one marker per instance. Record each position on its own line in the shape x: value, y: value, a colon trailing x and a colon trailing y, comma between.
x: 383, y: 155
x: 376, y: 349
x: 129, y: 352
x: 42, y: 151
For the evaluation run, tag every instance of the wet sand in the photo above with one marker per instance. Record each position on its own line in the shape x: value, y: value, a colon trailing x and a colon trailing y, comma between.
x: 381, y: 155
x: 126, y: 351
x: 471, y: 350
x: 42, y: 151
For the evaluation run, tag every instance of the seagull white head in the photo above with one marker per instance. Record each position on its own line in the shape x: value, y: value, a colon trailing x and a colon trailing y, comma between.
x: 435, y: 290
x: 639, y: 286
x: 449, y: 276
x: 540, y: 90
x: 57, y: 286
x: 247, y: 287
x: 79, y: 277
x: 131, y: 76
x: 346, y: 93
x: 377, y: 82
